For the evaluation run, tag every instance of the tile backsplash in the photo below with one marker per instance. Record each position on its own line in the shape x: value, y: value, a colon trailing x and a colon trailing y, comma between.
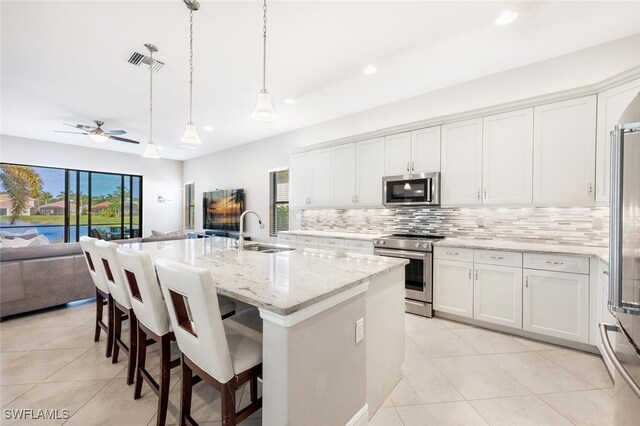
x: 587, y: 226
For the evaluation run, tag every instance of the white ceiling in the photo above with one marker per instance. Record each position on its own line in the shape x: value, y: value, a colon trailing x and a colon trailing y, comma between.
x: 66, y: 61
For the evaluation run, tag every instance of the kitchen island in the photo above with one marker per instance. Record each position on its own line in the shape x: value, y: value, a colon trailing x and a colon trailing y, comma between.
x: 333, y: 324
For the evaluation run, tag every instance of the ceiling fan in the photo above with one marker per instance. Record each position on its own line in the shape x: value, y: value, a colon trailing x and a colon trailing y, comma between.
x: 96, y: 133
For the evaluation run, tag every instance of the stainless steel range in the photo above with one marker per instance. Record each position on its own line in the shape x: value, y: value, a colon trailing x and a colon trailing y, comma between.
x: 418, y: 249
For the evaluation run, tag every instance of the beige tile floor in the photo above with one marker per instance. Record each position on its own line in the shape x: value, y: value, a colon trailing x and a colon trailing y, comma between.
x: 454, y: 374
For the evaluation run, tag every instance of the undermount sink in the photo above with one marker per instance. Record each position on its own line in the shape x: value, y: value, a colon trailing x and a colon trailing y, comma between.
x: 266, y: 248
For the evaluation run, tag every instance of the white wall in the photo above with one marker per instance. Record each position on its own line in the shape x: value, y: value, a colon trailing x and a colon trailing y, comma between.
x: 159, y: 177
x: 247, y: 166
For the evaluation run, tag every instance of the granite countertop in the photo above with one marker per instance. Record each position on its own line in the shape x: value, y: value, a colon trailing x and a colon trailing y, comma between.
x: 335, y: 234
x: 600, y: 252
x: 282, y: 283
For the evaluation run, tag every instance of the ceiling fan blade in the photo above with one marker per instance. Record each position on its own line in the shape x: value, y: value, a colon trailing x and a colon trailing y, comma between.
x: 124, y: 140
x: 73, y: 133
x: 80, y: 126
x: 116, y: 132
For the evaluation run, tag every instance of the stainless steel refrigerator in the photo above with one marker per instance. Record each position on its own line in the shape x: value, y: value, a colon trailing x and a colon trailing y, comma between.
x: 624, y: 266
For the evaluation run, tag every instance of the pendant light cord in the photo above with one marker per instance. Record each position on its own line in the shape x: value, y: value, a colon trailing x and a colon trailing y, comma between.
x: 151, y: 98
x: 191, y: 66
x: 264, y: 47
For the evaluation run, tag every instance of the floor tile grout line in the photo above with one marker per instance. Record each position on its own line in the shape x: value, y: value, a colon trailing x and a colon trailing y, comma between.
x: 582, y: 378
x: 90, y: 399
x: 33, y: 385
x: 561, y: 415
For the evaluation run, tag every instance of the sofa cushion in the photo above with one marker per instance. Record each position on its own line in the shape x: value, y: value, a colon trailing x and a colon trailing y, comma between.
x: 26, y: 235
x: 52, y: 250
x: 165, y: 238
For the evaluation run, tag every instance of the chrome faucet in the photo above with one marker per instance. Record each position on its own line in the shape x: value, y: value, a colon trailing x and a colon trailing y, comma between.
x: 241, y: 236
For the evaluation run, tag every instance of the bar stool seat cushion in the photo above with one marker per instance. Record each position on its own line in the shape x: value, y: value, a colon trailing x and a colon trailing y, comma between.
x: 244, y: 337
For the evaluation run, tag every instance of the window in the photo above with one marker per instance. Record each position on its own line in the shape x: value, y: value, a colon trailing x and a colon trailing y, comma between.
x: 189, y: 206
x: 66, y: 204
x: 279, y: 196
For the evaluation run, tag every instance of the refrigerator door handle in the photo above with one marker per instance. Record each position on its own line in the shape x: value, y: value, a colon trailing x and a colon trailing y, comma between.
x: 615, y: 224
x: 614, y: 359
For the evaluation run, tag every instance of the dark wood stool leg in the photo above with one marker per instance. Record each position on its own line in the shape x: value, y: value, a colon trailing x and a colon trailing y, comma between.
x: 185, y: 394
x: 142, y: 359
x: 99, y: 310
x: 117, y: 333
x: 110, y: 320
x: 253, y: 387
x: 133, y: 343
x: 165, y: 375
x: 228, y: 399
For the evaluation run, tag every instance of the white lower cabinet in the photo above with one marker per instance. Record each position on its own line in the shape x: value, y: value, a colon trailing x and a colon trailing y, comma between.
x: 556, y: 304
x: 497, y: 295
x: 453, y: 287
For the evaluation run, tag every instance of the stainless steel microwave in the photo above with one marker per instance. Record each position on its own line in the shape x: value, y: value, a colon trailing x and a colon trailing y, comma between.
x: 411, y: 190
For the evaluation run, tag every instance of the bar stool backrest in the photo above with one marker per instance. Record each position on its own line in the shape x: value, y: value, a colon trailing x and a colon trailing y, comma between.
x: 112, y: 272
x: 195, y: 317
x: 144, y: 290
x: 92, y: 260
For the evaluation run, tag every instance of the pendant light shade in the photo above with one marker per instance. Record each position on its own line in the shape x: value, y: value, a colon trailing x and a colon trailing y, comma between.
x: 190, y: 132
x: 150, y: 151
x: 264, y: 108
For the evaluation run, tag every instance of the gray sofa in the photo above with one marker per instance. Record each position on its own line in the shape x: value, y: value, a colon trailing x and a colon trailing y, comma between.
x: 40, y: 277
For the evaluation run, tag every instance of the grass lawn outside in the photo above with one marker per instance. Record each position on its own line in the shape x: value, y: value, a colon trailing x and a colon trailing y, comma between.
x: 59, y: 220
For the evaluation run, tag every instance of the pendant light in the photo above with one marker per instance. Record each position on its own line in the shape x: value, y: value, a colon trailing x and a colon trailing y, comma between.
x: 190, y: 132
x: 150, y: 151
x: 264, y: 108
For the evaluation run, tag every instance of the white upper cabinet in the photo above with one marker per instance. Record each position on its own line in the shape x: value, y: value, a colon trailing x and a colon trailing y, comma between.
x: 425, y: 150
x: 320, y: 195
x: 397, y: 154
x: 343, y: 180
x: 507, y: 158
x: 461, y: 163
x: 369, y: 172
x: 564, y: 149
x: 300, y: 180
x: 611, y: 104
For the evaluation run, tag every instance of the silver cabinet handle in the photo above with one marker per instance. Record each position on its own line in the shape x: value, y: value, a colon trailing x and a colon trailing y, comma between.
x: 485, y: 193
x: 526, y: 281
x: 614, y: 359
x: 453, y: 253
x: 554, y: 262
x: 356, y: 198
x: 407, y: 166
x: 605, y: 273
x: 497, y: 257
x: 469, y: 273
x: 478, y: 194
x: 413, y: 166
x: 353, y: 199
x: 590, y: 188
x: 476, y: 275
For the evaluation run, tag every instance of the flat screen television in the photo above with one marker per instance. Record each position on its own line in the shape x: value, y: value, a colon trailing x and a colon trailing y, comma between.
x: 222, y: 209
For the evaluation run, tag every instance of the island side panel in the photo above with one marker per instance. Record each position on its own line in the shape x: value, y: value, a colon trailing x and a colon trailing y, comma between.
x: 314, y: 371
x: 385, y: 336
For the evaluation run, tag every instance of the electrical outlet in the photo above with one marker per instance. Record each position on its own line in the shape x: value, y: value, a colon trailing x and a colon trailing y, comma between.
x: 480, y: 222
x: 359, y: 330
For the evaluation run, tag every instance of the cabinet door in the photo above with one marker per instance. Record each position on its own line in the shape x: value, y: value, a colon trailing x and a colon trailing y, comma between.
x: 300, y: 178
x: 556, y: 304
x: 497, y: 295
x: 611, y: 104
x: 320, y: 195
x: 370, y: 169
x: 425, y: 150
x: 507, y: 158
x: 461, y: 152
x: 564, y: 152
x: 453, y: 287
x: 397, y: 154
x: 343, y: 179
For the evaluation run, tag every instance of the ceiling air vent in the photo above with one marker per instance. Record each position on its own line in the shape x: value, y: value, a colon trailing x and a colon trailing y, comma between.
x: 138, y: 59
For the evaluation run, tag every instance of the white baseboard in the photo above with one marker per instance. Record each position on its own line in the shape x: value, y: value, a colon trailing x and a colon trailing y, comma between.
x: 361, y: 418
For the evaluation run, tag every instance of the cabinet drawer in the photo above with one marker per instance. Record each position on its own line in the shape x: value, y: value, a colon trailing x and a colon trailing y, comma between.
x: 287, y: 238
x: 359, y: 246
x: 560, y: 263
x: 453, y: 253
x: 307, y: 241
x: 493, y: 257
x: 331, y: 243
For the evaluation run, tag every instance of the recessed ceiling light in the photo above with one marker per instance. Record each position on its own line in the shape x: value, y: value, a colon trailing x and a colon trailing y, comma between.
x: 289, y: 101
x: 209, y: 128
x: 507, y: 17
x: 370, y: 70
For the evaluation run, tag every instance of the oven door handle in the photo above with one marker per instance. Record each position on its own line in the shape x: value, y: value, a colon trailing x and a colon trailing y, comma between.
x: 400, y: 254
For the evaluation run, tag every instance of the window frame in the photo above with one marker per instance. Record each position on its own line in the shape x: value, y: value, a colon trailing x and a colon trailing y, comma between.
x: 274, y: 203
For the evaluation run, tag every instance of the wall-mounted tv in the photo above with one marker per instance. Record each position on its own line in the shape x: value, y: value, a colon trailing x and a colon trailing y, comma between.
x: 222, y: 209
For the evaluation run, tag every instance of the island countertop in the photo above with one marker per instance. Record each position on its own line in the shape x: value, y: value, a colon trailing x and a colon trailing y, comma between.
x: 283, y: 282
